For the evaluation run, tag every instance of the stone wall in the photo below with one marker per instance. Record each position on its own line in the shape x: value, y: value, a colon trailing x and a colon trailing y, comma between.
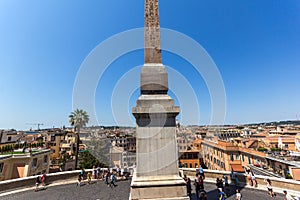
x: 241, y: 179
x: 211, y: 175
x: 12, y: 184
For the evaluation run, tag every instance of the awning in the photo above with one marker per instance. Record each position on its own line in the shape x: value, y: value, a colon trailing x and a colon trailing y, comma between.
x: 237, y: 168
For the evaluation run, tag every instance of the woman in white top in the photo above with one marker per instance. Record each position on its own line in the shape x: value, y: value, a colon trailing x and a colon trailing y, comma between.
x: 270, y: 189
x: 253, y: 179
x: 238, y: 195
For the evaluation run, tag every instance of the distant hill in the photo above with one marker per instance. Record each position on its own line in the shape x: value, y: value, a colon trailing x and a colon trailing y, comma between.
x: 278, y: 123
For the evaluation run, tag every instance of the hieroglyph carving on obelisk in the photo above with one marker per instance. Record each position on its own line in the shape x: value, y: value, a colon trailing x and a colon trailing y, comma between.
x: 152, y: 32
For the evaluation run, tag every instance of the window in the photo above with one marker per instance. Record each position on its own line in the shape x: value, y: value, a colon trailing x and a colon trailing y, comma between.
x: 237, y: 156
x: 222, y: 165
x: 1, y: 167
x: 34, y: 162
x: 45, y: 159
x: 249, y: 160
x: 52, y: 137
x: 231, y: 157
x: 9, y: 139
x: 243, y: 157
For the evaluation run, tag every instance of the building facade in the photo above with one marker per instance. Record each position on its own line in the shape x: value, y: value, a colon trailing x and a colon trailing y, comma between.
x: 24, y: 164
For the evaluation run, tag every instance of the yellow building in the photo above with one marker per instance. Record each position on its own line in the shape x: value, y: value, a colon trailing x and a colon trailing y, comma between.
x: 190, y: 158
x: 24, y: 164
x: 226, y: 156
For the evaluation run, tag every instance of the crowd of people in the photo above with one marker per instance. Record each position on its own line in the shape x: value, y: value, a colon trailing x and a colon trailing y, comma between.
x: 198, y: 184
x: 222, y: 185
x: 108, y: 176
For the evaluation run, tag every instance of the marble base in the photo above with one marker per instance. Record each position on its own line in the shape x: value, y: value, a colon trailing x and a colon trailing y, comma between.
x: 158, y: 188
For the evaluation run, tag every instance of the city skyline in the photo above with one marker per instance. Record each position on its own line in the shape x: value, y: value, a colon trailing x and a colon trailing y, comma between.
x: 254, y: 44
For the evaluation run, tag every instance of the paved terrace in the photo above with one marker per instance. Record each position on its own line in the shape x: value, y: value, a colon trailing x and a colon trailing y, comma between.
x: 62, y: 186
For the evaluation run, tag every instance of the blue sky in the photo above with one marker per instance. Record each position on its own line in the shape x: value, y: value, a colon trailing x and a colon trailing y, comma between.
x: 255, y: 45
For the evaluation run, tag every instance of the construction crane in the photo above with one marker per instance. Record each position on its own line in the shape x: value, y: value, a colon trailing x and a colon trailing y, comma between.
x: 36, y: 124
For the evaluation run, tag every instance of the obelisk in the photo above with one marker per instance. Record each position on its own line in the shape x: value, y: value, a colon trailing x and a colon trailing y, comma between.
x: 156, y: 175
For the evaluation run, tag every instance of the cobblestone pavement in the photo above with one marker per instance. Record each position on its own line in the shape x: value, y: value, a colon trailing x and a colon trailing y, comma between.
x: 99, y: 191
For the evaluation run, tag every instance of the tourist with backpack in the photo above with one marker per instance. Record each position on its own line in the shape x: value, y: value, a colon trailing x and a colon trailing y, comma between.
x: 113, y: 180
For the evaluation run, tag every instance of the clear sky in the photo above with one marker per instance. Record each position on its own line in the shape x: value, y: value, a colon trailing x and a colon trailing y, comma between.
x: 255, y: 45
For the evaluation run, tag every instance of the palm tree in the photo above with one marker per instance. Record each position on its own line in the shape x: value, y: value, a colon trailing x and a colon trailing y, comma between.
x: 78, y: 119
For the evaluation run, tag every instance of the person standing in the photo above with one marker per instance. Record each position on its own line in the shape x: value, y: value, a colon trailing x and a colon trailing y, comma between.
x: 89, y: 177
x: 269, y: 188
x: 287, y: 196
x: 82, y: 173
x: 201, y: 172
x: 221, y: 194
x: 197, y: 171
x: 219, y: 183
x: 98, y: 172
x: 225, y: 177
x: 249, y: 177
x: 189, y: 188
x: 201, y: 183
x: 254, y: 182
x: 94, y: 172
x: 79, y: 179
x: 197, y: 187
x: 113, y: 180
x: 43, y: 179
x: 238, y: 195
x: 37, y: 183
x: 106, y: 178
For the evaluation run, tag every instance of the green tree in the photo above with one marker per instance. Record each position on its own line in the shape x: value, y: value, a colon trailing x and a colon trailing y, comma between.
x: 78, y: 119
x: 16, y: 146
x: 87, y: 160
x: 276, y: 149
x: 262, y: 149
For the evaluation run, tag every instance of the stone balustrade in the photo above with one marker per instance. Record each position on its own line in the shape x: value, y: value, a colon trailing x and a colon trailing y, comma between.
x: 210, y: 175
x: 241, y: 180
x: 12, y: 184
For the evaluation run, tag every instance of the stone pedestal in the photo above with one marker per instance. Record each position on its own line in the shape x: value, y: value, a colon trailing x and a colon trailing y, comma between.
x: 156, y: 175
x: 158, y: 188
